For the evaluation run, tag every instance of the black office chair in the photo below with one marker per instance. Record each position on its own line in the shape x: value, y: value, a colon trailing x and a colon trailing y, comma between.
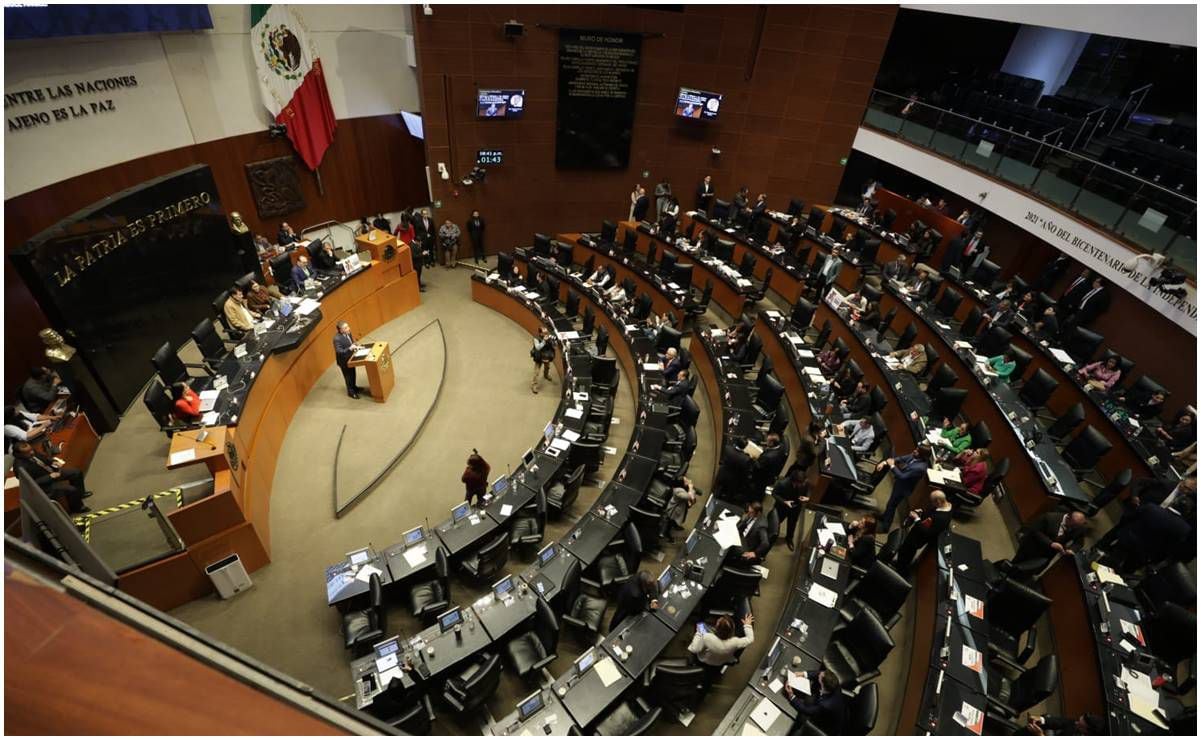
x: 734, y: 584
x: 413, y: 718
x: 630, y: 718
x: 528, y: 526
x: 879, y: 399
x: 948, y: 302
x: 802, y: 314
x: 572, y: 306
x: 488, y: 562
x: 882, y: 590
x: 171, y: 369
x: 589, y: 322
x: 1021, y: 361
x: 562, y: 494
x: 471, y: 687
x: 429, y: 598
x: 995, y: 340
x: 281, y: 270
x: 1066, y: 423
x: 886, y: 322
x: 674, y: 463
x: 363, y: 628
x: 862, y: 711
x: 1086, y: 449
x: 905, y: 341
x: 1013, y: 613
x: 585, y: 454
x: 675, y: 686
x: 943, y: 377
x: 584, y: 611
x: 823, y: 336
x: 752, y: 350
x: 647, y: 521
x: 218, y: 307
x: 1011, y: 696
x: 1172, y: 634
x: 619, y: 561
x: 1037, y: 389
x: 245, y: 281
x: 1111, y: 491
x: 212, y: 349
x: 759, y: 292
x: 857, y: 649
x: 161, y: 406
x: 1125, y: 364
x: 1082, y: 344
x: 981, y: 435
x: 698, y: 308
x: 932, y: 358
x: 533, y: 650
x: 971, y: 324
x: 1168, y: 583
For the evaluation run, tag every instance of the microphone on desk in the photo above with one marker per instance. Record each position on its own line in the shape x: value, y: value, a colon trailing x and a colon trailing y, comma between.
x: 200, y: 439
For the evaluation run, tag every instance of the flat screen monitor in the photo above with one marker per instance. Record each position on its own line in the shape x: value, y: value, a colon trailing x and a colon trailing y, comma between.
x: 387, y: 647
x: 542, y: 245
x: 548, y: 433
x: 413, y: 124
x: 986, y: 274
x: 500, y: 103
x: 504, y: 264
x: 681, y: 275
x: 503, y: 586
x: 664, y: 580
x: 585, y: 661
x: 500, y: 485
x: 414, y: 536
x: 358, y: 557
x: 667, y: 263
x: 697, y: 104
x: 530, y: 706
x: 460, y: 512
x: 695, y: 537
x: 547, y: 554
x: 448, y: 619
x: 816, y: 217
x: 527, y: 459
x: 871, y: 248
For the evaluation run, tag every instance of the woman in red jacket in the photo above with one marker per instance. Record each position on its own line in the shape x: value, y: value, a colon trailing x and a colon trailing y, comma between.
x: 404, y: 230
x: 187, y: 403
x: 475, y: 477
x: 975, y: 469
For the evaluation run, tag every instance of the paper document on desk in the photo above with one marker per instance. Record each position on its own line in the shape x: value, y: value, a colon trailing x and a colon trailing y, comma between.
x: 1133, y: 630
x: 765, y: 714
x: 960, y: 344
x: 830, y: 568
x: 750, y: 729
x: 1062, y: 356
x: 209, y: 419
x: 773, y: 314
x: 572, y: 436
x: 822, y: 595
x: 744, y: 283
x: 825, y: 537
x: 800, y: 683
x: 1105, y: 574
x: 415, y: 556
x: 366, y: 572
x: 938, y: 476
x: 209, y: 395
x: 560, y: 444
x: 608, y: 672
x: 727, y: 534
x: 386, y: 677
x: 835, y: 527
x: 574, y: 413
x: 183, y: 456
x: 943, y: 325
x: 651, y: 367
x: 569, y: 335
x: 307, y: 306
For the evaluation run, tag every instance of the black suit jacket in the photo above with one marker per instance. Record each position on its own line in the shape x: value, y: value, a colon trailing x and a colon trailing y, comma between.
x: 422, y: 228
x: 771, y: 462
x: 733, y: 473
x: 640, y: 208
x: 757, y: 540
x: 475, y: 228
x: 325, y: 261
x: 1042, y: 533
x: 37, y: 467
x: 342, y: 350
x: 1093, y: 307
x: 828, y: 712
x: 631, y: 600
x: 1074, y: 293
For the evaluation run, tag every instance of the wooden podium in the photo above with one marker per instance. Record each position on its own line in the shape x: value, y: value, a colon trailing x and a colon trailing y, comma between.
x: 393, y: 256
x: 380, y: 376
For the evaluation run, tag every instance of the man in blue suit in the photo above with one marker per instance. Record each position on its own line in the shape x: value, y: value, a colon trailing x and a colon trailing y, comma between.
x: 907, y: 471
x: 344, y: 348
x: 302, y: 272
x: 827, y: 709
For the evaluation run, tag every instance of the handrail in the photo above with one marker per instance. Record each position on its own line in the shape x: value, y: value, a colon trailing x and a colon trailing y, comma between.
x: 328, y: 228
x: 1067, y: 152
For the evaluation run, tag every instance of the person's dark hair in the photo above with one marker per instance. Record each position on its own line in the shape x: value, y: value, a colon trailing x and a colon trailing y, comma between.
x: 11, y: 416
x: 38, y: 372
x: 867, y: 525
x: 647, y: 582
x: 724, y: 629
x: 477, y: 463
x: 754, y: 508
x: 829, y: 682
x: 177, y: 390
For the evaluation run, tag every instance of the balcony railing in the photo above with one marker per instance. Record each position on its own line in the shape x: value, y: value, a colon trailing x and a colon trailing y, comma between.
x: 1145, y: 214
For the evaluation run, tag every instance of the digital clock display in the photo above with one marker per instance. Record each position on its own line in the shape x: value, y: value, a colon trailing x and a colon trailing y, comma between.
x: 489, y: 156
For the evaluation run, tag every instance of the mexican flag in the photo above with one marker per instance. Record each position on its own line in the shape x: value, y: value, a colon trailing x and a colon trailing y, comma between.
x: 291, y: 79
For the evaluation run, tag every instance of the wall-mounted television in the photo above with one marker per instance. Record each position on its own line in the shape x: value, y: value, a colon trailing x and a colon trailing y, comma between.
x: 500, y: 103
x: 697, y: 104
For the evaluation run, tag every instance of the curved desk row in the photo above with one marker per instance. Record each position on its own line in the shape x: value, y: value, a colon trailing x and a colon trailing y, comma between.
x: 270, y: 389
x: 663, y: 298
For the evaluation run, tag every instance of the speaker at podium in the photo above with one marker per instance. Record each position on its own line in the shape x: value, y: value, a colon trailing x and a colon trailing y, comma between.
x: 377, y: 358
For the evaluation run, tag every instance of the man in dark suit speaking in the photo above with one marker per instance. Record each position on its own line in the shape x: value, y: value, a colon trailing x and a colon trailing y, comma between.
x: 344, y: 349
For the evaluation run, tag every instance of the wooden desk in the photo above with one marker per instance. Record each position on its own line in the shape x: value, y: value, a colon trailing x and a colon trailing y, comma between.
x: 210, y: 450
x: 782, y: 282
x: 660, y: 302
x: 724, y: 294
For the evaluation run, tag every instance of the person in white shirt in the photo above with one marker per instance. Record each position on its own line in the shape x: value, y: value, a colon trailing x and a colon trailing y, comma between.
x: 860, y: 432
x: 720, y: 645
x: 22, y: 426
x: 616, y: 295
x: 599, y: 278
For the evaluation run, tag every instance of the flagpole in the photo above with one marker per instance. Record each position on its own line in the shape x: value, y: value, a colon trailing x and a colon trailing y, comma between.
x: 320, y: 187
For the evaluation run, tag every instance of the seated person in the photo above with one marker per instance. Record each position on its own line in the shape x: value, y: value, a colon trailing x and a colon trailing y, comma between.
x: 1050, y: 534
x: 860, y: 432
x: 861, y: 541
x: 286, y: 236
x: 720, y: 646
x: 617, y: 295
x: 40, y: 390
x: 859, y: 403
x: 301, y: 272
x: 23, y: 426
x: 1027, y: 306
x: 1003, y: 364
x: 925, y: 243
x: 1181, y: 434
x: 956, y: 437
x: 599, y: 278
x: 826, y: 707
x: 898, y: 269
x: 238, y: 316
x: 756, y: 542
x: 54, y: 479
x: 921, y: 286
x: 829, y: 361
x: 683, y: 496
x: 1001, y: 314
x: 187, y: 402
x: 260, y: 299
x: 676, y: 390
x: 856, y: 302
x: 913, y: 360
x: 736, y: 336
x: 973, y: 466
x: 1100, y: 375
x: 1009, y: 291
x: 1047, y: 323
x: 869, y: 318
x: 927, y: 526
x: 671, y: 364
x: 657, y: 323
x: 512, y: 277
x: 1148, y: 408
x: 325, y: 260
x: 1085, y: 724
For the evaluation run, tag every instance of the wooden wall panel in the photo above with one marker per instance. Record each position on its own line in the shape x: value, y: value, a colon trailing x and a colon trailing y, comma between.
x: 783, y: 127
x: 373, y: 165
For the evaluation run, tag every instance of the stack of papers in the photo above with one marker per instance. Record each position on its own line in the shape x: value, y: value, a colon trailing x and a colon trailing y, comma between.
x: 1144, y: 699
x: 607, y: 672
x: 938, y: 476
x: 307, y: 306
x: 415, y: 556
x: 1062, y: 356
x: 765, y: 714
x: 726, y: 533
x: 1105, y: 574
x: 366, y: 572
x: 822, y: 595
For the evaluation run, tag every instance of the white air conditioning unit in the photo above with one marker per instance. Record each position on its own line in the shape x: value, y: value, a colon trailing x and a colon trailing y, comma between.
x: 229, y: 576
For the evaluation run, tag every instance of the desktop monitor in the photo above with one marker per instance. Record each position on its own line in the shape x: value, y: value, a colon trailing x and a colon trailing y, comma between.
x: 549, y: 432
x: 527, y: 459
x: 667, y: 263
x: 542, y: 245
x: 387, y: 647
x: 802, y: 313
x: 503, y: 586
x: 721, y: 209
x: 547, y: 554
x: 585, y: 661
x: 529, y: 706
x: 664, y: 580
x: 770, y: 392
x: 871, y: 248
x: 775, y: 650
x: 816, y: 218
x: 608, y: 231
x: 460, y: 512
x: 986, y: 274
x: 694, y: 537
x: 504, y: 263
x: 358, y: 557
x: 795, y: 207
x: 448, y: 619
x: 681, y: 275
x: 500, y: 485
x: 414, y: 536
x: 564, y: 254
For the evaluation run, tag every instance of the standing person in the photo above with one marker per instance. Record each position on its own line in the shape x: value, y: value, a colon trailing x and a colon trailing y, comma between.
x: 475, y: 229
x: 53, y: 479
x: 741, y: 199
x: 861, y: 541
x: 662, y: 194
x: 642, y: 204
x: 448, y: 237
x: 475, y: 477
x: 344, y: 349
x: 404, y: 229
x: 40, y: 389
x: 423, y: 224
x: 683, y: 496
x: 720, y: 646
x: 543, y: 354
x: 906, y: 471
x: 790, y: 493
x: 634, y: 597
x: 634, y: 199
x: 928, y: 525
x: 704, y: 194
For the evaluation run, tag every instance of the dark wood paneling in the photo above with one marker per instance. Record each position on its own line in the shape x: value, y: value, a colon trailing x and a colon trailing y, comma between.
x: 770, y: 142
x: 373, y: 165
